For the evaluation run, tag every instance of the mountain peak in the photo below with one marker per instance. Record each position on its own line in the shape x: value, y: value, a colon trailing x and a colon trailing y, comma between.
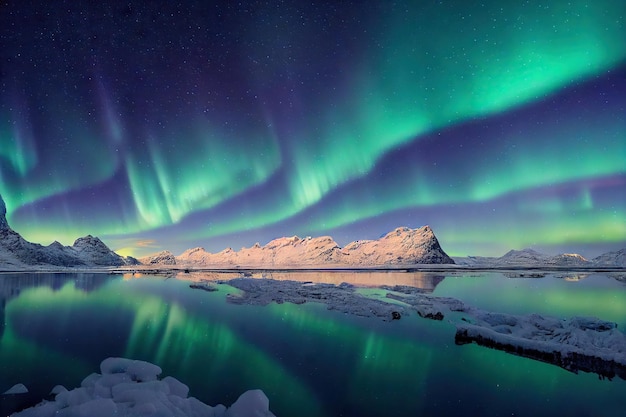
x: 164, y: 257
x: 88, y: 240
x: 86, y: 251
x: 96, y: 251
x: 523, y: 252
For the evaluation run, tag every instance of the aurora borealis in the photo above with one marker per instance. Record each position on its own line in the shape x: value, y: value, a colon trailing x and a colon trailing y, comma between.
x: 166, y: 126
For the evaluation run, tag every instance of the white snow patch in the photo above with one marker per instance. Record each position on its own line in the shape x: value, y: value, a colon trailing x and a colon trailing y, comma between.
x: 131, y: 388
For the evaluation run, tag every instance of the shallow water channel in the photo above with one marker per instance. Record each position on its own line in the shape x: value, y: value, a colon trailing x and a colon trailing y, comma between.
x: 57, y: 328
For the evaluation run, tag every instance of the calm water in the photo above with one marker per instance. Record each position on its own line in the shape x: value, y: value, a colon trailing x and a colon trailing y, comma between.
x: 309, y: 361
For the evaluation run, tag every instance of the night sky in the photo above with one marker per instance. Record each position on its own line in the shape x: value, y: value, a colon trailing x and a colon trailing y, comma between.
x: 174, y: 124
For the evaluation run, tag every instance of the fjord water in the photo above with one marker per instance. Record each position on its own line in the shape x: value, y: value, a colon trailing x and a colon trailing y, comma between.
x: 56, y: 328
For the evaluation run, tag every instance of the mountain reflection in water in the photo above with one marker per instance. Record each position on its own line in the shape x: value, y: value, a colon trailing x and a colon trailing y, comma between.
x: 424, y: 280
x: 311, y: 362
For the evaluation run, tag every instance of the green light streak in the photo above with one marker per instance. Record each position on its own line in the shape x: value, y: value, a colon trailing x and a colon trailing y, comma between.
x: 14, y: 349
x: 419, y: 82
x: 488, y: 62
x: 197, y: 173
x: 81, y: 159
x: 518, y: 164
x: 555, y: 228
x: 419, y: 69
x: 382, y: 359
x: 550, y: 163
x: 167, y: 334
x: 18, y: 149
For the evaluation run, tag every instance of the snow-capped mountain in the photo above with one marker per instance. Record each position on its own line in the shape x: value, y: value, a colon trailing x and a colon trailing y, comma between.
x: 523, y: 257
x: 87, y: 251
x: 532, y: 258
x: 162, y: 258
x: 617, y: 258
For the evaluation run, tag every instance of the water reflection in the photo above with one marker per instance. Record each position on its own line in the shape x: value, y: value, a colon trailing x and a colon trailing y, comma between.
x: 11, y: 285
x: 424, y: 280
x: 574, y: 277
x: 310, y: 361
x: 149, y: 324
x: 598, y: 295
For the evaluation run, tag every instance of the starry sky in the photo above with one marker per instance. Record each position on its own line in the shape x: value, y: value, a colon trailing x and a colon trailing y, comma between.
x: 175, y: 124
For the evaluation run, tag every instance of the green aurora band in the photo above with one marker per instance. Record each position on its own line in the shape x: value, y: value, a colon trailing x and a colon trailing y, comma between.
x: 417, y: 71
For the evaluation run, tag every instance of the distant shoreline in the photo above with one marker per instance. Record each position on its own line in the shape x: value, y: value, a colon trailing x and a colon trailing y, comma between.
x: 146, y: 269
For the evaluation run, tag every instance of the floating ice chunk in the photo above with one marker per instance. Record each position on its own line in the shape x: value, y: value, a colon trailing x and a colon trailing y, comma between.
x: 137, y: 370
x: 102, y: 387
x: 200, y: 409
x: 143, y: 371
x: 16, y: 389
x: 74, y: 397
x: 57, y: 389
x: 99, y: 407
x: 110, y: 380
x: 114, y: 365
x: 102, y: 391
x: 176, y: 387
x: 90, y: 380
x: 138, y: 391
x: 252, y: 403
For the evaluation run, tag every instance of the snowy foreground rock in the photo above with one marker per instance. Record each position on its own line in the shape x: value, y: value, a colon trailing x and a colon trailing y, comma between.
x: 577, y: 344
x: 131, y: 388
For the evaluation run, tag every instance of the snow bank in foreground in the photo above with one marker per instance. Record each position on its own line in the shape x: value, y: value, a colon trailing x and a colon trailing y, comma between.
x: 131, y: 388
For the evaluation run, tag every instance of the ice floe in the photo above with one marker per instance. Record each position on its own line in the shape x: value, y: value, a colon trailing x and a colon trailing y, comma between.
x: 16, y: 389
x: 577, y: 344
x: 341, y: 297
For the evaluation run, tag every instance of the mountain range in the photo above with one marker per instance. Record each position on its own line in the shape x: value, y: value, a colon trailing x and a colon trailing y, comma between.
x: 532, y: 258
x: 401, y: 246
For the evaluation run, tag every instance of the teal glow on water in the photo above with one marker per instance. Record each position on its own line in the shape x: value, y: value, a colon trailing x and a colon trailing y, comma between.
x: 309, y: 361
x: 556, y: 294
